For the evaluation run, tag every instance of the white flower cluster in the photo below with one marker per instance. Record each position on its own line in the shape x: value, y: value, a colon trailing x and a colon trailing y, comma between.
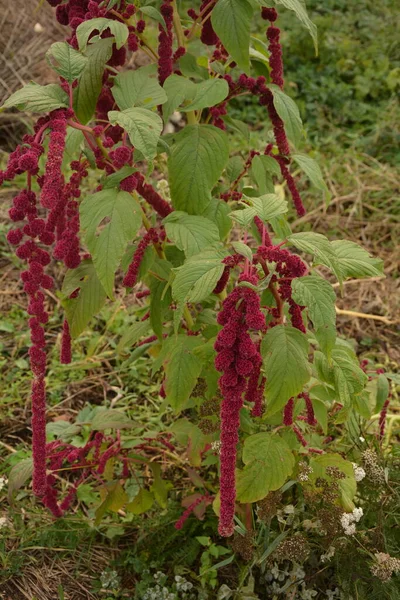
x: 3, y: 482
x: 3, y: 522
x: 359, y: 472
x: 163, y: 187
x: 349, y: 520
x: 216, y: 446
x: 109, y: 580
x: 182, y: 584
x: 328, y: 555
x: 158, y: 593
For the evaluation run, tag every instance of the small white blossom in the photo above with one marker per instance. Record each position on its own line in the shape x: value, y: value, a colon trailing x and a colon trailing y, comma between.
x: 328, y: 555
x: 3, y: 482
x: 289, y: 509
x: 216, y: 446
x: 331, y: 594
x: 361, y: 439
x: 359, y: 472
x: 357, y: 514
x: 3, y: 522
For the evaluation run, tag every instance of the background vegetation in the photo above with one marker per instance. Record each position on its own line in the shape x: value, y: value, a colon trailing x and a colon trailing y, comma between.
x: 348, y: 97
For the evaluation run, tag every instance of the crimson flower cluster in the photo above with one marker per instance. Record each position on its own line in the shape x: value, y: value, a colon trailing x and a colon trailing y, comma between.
x: 288, y: 267
x: 151, y: 237
x: 165, y: 39
x: 237, y: 358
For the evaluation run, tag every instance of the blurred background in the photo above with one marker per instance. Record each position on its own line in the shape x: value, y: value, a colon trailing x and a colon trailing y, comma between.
x: 348, y: 96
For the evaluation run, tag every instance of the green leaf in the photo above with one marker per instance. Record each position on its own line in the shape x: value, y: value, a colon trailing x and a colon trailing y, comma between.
x: 234, y: 168
x: 138, y: 88
x: 195, y: 164
x: 285, y: 353
x: 108, y: 247
x: 109, y: 418
x: 190, y: 233
x: 178, y: 89
x: 182, y: 369
x: 347, y: 486
x: 19, y: 474
x: 238, y: 126
x: 91, y: 79
x: 37, y: 98
x: 90, y: 299
x: 143, y: 126
x: 355, y: 261
x: 231, y: 20
x: 313, y: 172
x: 159, y: 487
x: 113, y: 180
x: 66, y: 61
x: 116, y: 498
x: 189, y: 434
x: 141, y: 503
x: 190, y: 67
x: 208, y: 93
x: 269, y: 462
x: 160, y: 300
x: 321, y: 413
x: 349, y: 378
x: 196, y: 279
x: 319, y: 297
x: 118, y: 30
x: 382, y: 392
x: 243, y: 250
x: 289, y: 113
x: 318, y: 245
x: 133, y: 335
x: 269, y: 206
x: 263, y: 168
x: 154, y: 14
x: 218, y: 211
x: 299, y: 7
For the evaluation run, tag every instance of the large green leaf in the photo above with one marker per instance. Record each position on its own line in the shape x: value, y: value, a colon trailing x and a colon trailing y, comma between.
x: 218, y: 211
x: 178, y: 89
x: 182, y: 369
x: 289, y: 113
x: 189, y: 434
x: 263, y: 168
x: 231, y: 20
x: 269, y: 462
x: 319, y: 297
x: 110, y: 418
x: 37, y: 98
x: 285, y: 353
x: 349, y: 378
x: 318, y: 245
x: 355, y: 261
x: 19, y: 474
x: 196, y: 279
x: 141, y: 503
x: 208, y: 93
x: 347, y: 486
x: 118, y: 30
x: 299, y: 8
x: 91, y: 79
x: 190, y: 233
x: 312, y: 170
x: 108, y: 246
x: 266, y: 207
x: 138, y: 88
x: 90, y: 299
x: 143, y: 126
x: 66, y: 61
x: 195, y: 164
x: 133, y: 335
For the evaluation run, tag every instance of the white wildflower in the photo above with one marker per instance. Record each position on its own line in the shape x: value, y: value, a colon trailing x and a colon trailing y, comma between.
x: 361, y: 439
x: 328, y: 555
x: 357, y: 514
x: 216, y: 446
x: 359, y: 472
x: 3, y: 482
x: 289, y: 509
x: 3, y: 522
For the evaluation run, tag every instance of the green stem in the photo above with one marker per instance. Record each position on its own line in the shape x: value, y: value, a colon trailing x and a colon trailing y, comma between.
x: 178, y: 25
x: 191, y: 117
